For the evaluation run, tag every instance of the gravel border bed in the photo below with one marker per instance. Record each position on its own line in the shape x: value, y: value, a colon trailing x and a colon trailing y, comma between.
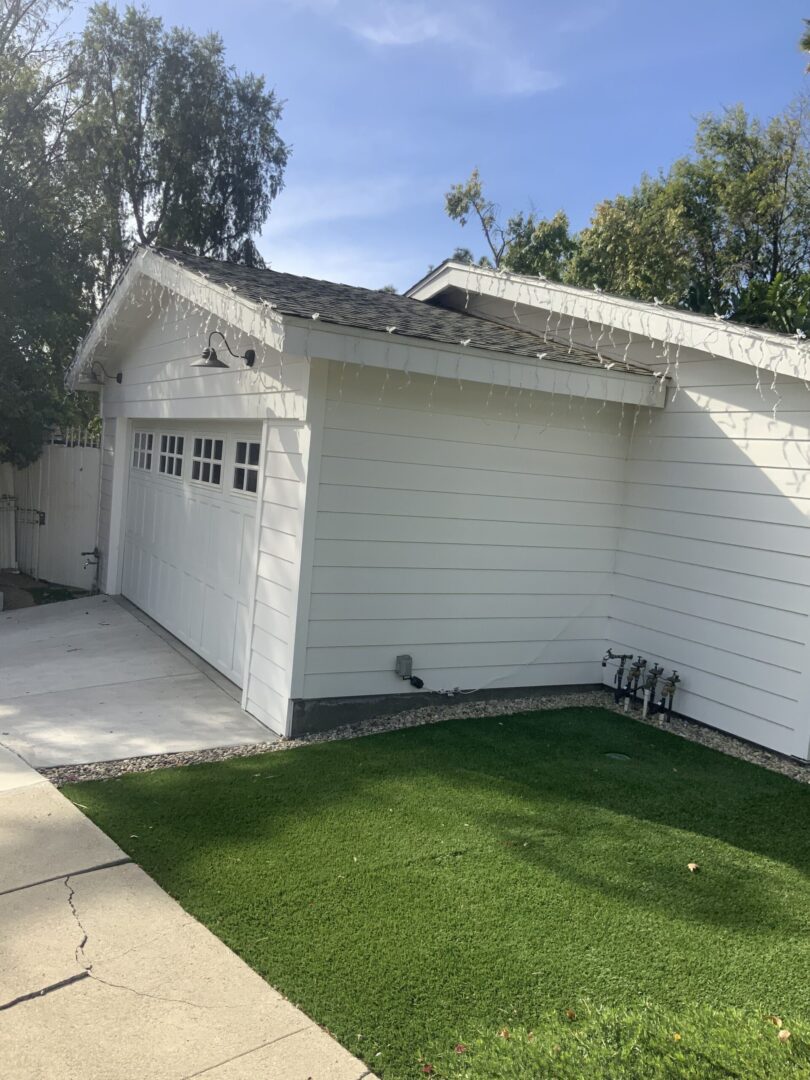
x: 434, y: 714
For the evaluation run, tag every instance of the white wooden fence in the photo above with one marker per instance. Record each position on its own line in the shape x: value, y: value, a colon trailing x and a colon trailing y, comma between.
x: 54, y: 507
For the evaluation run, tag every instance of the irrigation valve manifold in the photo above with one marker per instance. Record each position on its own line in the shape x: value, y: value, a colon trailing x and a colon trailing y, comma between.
x: 636, y: 683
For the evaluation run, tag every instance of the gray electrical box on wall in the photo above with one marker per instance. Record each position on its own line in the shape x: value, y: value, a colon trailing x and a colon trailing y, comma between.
x: 404, y: 666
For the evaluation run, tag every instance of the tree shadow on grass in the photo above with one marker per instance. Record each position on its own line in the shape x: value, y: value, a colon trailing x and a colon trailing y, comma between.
x: 538, y: 787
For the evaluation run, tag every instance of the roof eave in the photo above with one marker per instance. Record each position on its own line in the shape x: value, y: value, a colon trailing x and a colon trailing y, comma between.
x: 257, y: 320
x: 306, y: 339
x: 716, y: 337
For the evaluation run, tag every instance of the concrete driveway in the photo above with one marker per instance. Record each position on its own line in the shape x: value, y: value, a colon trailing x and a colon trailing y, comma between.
x: 96, y: 680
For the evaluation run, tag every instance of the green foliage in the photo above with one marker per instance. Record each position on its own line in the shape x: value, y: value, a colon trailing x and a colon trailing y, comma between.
x: 782, y: 304
x: 464, y: 255
x: 722, y: 224
x: 172, y: 145
x: 133, y: 134
x: 634, y: 246
x: 541, y: 246
x: 43, y: 303
x: 466, y: 200
x: 526, y: 244
x: 435, y: 885
x: 713, y: 234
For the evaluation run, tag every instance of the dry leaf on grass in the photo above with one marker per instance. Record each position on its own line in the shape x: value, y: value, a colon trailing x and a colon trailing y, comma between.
x: 783, y: 1035
x: 776, y: 1021
x: 504, y: 1033
x: 693, y: 867
x: 570, y: 1014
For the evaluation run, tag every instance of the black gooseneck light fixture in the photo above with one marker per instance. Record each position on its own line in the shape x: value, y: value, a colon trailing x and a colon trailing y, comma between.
x: 119, y: 378
x: 211, y: 360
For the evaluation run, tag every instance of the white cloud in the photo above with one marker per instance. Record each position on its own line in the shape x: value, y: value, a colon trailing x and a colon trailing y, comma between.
x: 302, y: 204
x: 476, y: 33
x: 350, y: 264
x: 396, y: 27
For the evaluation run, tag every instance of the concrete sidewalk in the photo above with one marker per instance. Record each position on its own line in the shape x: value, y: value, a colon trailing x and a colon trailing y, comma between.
x: 104, y: 977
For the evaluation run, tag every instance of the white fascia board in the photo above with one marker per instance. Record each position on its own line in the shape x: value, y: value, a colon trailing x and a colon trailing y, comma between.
x: 257, y: 320
x: 349, y: 345
x: 100, y: 327
x: 731, y: 341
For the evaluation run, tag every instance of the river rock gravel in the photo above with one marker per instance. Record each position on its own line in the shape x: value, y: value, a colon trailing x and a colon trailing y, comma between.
x: 435, y: 714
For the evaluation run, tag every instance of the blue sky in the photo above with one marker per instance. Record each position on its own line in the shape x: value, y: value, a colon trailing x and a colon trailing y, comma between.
x: 558, y: 104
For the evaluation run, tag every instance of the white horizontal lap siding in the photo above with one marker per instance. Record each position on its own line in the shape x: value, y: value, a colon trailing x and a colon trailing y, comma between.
x: 473, y: 528
x: 712, y: 569
x: 278, y: 579
x: 159, y: 379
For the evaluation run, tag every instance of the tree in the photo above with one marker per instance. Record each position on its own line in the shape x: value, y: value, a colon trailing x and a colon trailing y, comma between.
x: 733, y: 213
x: 542, y: 246
x: 172, y: 145
x: 634, y: 246
x: 132, y: 134
x: 804, y: 41
x: 466, y: 200
x: 724, y: 230
x: 42, y: 286
x: 526, y: 244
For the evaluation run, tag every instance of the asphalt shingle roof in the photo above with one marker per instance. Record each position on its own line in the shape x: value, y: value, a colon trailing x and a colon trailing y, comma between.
x: 372, y: 309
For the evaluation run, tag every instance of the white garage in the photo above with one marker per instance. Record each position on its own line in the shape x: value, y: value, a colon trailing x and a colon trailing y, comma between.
x: 188, y: 553
x: 489, y: 482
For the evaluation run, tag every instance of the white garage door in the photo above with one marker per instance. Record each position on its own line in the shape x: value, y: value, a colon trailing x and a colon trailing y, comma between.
x: 188, y: 548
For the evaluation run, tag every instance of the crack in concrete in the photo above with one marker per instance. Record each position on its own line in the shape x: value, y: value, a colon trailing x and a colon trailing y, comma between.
x: 245, y: 1053
x: 87, y: 965
x: 43, y: 991
x: 73, y: 873
x: 81, y: 959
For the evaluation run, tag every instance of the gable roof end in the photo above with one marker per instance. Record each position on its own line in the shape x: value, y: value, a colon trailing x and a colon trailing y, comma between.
x: 783, y: 353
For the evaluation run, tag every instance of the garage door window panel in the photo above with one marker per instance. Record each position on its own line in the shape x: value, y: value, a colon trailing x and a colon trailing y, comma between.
x: 170, y: 461
x: 246, y: 467
x: 142, y: 450
x: 206, y: 460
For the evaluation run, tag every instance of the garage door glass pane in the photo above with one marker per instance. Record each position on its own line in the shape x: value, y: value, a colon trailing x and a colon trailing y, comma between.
x: 246, y: 471
x: 206, y: 461
x: 170, y: 462
x: 142, y: 450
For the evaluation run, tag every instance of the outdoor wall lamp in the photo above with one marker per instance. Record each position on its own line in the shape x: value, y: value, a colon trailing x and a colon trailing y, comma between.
x: 119, y: 378
x: 211, y: 360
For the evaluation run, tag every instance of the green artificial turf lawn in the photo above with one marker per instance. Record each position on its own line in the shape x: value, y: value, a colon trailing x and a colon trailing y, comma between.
x: 429, y: 888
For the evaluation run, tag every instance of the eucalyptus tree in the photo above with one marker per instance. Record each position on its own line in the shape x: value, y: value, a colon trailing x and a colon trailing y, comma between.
x: 171, y: 145
x: 129, y: 133
x: 525, y: 243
